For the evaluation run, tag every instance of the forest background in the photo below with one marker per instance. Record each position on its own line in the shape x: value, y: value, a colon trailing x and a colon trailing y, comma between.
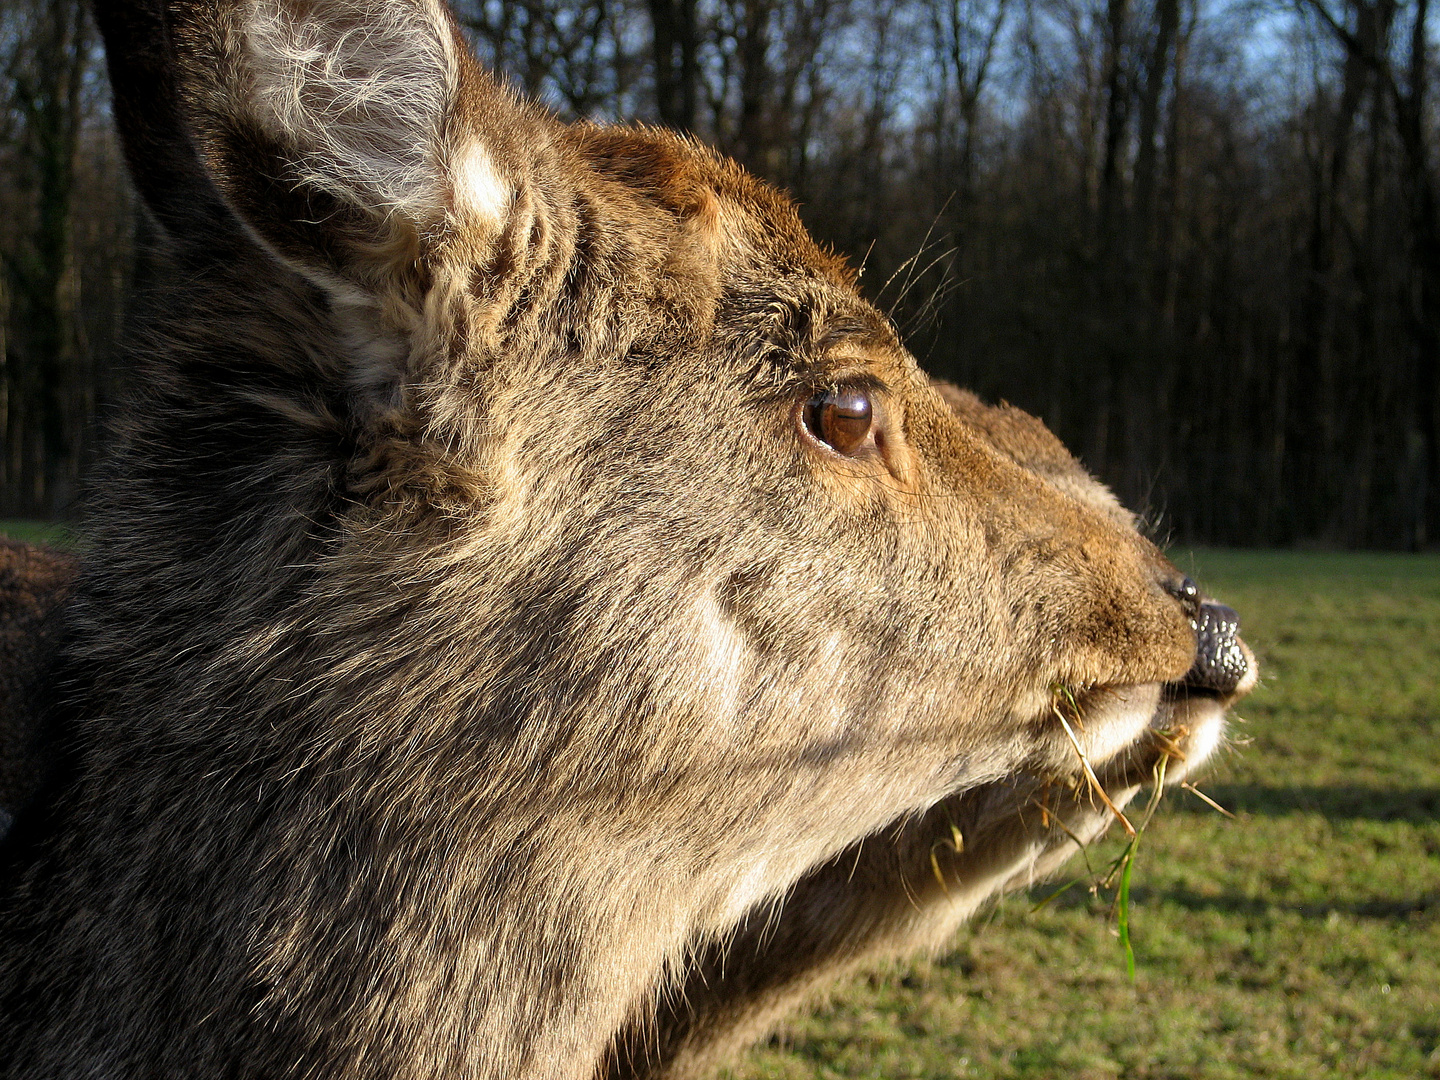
x: 1201, y: 238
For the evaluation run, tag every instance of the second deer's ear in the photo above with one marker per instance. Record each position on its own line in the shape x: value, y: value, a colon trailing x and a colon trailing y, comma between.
x: 332, y: 129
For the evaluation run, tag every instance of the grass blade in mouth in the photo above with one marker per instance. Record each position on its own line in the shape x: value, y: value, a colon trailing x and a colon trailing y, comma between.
x: 1124, y: 863
x: 1123, y: 917
x: 1094, y: 780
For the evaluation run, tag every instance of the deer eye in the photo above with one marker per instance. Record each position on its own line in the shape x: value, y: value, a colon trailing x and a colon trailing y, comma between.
x: 841, y: 419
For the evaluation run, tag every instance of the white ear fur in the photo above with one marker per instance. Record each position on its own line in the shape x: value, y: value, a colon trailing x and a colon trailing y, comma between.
x: 363, y: 89
x: 480, y: 190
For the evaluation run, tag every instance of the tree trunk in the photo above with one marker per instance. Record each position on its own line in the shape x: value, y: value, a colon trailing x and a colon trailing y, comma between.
x: 1410, y: 115
x: 47, y: 90
x: 1167, y: 19
x: 753, y: 145
x: 675, y: 50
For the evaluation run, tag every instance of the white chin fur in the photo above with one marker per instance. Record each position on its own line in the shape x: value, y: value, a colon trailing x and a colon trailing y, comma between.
x: 1118, y: 723
x: 1113, y: 718
x: 1201, y: 722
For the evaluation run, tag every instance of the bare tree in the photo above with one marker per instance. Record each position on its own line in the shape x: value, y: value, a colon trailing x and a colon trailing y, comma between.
x: 49, y: 59
x: 1220, y: 284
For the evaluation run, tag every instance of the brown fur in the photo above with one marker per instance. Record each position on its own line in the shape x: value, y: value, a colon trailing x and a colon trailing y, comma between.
x: 473, y: 651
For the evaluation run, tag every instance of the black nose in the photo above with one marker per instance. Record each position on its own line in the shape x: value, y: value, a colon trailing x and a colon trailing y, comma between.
x: 1220, y: 662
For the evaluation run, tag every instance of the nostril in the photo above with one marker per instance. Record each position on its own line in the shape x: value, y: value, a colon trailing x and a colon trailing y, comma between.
x: 1188, y: 593
x: 1220, y: 663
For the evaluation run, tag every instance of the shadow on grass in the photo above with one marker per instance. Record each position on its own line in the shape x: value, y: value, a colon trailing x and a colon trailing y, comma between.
x: 1339, y: 802
x: 1259, y: 906
x: 1374, y: 908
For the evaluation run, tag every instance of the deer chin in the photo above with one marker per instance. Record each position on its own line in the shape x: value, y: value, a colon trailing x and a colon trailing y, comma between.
x: 1189, y: 725
x: 1121, y: 733
x: 1184, y: 731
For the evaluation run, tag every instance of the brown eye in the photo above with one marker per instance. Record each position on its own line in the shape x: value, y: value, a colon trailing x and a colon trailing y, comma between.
x: 841, y: 419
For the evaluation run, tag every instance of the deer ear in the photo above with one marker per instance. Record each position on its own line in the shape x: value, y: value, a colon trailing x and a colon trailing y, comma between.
x: 332, y: 129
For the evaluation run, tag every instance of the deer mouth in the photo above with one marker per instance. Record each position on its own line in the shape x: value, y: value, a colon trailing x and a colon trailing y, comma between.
x: 1186, y: 728
x: 1121, y: 733
x: 1188, y: 723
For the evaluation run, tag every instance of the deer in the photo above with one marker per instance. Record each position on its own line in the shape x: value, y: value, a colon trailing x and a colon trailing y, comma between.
x: 536, y: 618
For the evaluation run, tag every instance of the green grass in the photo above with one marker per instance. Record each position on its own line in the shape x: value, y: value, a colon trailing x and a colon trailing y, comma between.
x: 38, y: 532
x: 1300, y: 940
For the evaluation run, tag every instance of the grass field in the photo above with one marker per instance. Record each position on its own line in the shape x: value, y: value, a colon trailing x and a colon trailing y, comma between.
x: 37, y: 532
x: 1300, y: 940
